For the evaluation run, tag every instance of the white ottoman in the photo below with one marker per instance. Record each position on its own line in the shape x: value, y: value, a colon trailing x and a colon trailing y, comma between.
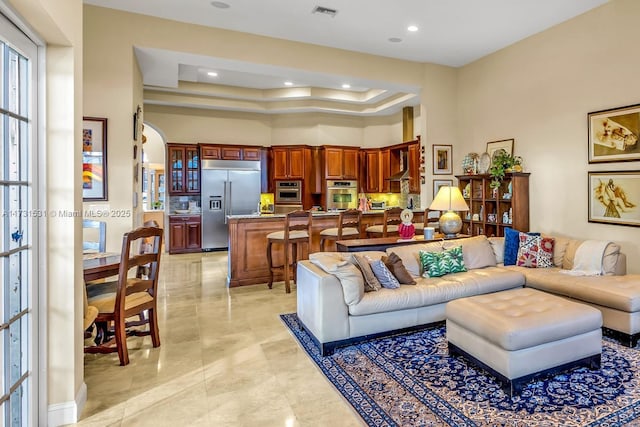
x: 520, y: 334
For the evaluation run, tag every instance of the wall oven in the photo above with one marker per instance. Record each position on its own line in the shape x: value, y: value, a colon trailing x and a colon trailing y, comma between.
x: 288, y: 192
x: 342, y: 195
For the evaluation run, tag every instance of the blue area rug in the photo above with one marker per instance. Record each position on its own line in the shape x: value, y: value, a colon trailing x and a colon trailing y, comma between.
x: 410, y: 380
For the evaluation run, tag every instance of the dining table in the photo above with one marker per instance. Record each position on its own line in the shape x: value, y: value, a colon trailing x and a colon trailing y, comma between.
x: 100, y: 265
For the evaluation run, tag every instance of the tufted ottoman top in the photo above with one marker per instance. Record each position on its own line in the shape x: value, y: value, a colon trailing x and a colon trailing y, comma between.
x: 522, y: 318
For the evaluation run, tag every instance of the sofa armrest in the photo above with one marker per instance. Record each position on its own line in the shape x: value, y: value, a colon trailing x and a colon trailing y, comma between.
x: 321, y: 306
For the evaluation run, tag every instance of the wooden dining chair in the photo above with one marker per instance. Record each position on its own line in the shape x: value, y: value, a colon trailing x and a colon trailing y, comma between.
x: 132, y: 297
x: 348, y: 227
x: 92, y: 229
x: 431, y: 219
x: 391, y: 220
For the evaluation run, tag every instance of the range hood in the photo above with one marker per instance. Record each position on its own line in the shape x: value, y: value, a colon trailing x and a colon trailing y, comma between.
x: 399, y: 176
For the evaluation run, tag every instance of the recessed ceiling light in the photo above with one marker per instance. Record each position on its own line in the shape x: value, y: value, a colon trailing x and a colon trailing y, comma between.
x: 395, y: 40
x: 346, y: 86
x: 212, y: 74
x: 288, y: 83
x: 220, y: 4
x: 412, y: 28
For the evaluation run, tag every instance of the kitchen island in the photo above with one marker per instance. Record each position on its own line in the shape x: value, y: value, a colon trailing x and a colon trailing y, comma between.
x: 248, y: 242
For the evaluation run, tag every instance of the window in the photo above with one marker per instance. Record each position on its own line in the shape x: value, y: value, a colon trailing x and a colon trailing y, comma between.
x: 18, y: 226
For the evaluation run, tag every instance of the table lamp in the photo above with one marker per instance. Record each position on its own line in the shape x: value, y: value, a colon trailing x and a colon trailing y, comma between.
x: 448, y: 200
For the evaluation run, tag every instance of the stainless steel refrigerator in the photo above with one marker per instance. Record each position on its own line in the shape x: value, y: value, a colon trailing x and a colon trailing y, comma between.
x: 229, y: 187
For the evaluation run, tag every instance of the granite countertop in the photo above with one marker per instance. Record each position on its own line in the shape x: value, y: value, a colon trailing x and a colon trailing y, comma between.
x: 314, y: 214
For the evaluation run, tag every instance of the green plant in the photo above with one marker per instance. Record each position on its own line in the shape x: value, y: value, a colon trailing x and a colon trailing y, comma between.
x: 502, y: 163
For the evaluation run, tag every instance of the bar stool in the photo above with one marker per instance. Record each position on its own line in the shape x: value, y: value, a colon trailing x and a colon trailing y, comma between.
x: 348, y: 227
x: 431, y: 219
x: 297, y: 229
x: 390, y: 223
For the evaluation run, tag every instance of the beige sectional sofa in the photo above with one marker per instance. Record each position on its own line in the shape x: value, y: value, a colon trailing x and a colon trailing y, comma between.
x: 334, y: 308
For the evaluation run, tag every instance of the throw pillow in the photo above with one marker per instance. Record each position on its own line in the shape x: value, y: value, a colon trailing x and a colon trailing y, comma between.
x: 371, y: 283
x: 511, y: 245
x: 387, y: 280
x: 437, y: 264
x: 535, y: 251
x: 409, y: 255
x: 394, y: 264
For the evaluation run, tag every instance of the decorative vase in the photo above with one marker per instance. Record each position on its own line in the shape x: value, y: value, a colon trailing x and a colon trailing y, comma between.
x: 406, y: 231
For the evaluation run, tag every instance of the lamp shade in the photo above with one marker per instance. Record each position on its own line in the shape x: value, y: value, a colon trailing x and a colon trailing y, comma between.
x: 449, y: 199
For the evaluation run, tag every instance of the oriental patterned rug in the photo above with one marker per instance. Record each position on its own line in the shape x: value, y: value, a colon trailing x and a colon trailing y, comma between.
x: 410, y: 380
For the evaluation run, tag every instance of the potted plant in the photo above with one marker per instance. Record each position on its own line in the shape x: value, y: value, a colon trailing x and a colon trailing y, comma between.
x: 501, y: 164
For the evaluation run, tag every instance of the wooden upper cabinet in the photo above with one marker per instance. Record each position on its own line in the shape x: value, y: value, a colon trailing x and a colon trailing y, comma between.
x: 341, y: 163
x: 333, y: 163
x: 413, y: 162
x: 350, y: 163
x: 183, y: 164
x: 371, y: 177
x: 251, y: 153
x: 230, y: 152
x: 288, y: 163
x: 385, y: 170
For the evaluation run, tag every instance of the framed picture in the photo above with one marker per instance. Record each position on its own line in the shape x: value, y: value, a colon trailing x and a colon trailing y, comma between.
x: 614, y: 197
x: 437, y: 183
x: 504, y: 144
x: 442, y: 159
x: 94, y: 158
x: 613, y: 135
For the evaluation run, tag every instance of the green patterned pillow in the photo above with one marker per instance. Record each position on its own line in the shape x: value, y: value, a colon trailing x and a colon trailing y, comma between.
x: 437, y: 264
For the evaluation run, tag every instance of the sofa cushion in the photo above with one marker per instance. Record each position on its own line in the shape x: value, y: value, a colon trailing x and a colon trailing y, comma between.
x: 438, y: 290
x: 477, y: 251
x: 384, y: 275
x: 437, y: 264
x: 394, y: 264
x: 348, y: 274
x: 371, y: 282
x: 535, y: 251
x: 616, y: 292
x: 511, y: 245
x: 497, y: 245
x: 409, y: 254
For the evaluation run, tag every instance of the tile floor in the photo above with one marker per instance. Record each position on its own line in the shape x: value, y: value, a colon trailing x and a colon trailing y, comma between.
x: 225, y: 359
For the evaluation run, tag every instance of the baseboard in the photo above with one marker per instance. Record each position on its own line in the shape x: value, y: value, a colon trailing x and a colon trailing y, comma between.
x: 61, y: 414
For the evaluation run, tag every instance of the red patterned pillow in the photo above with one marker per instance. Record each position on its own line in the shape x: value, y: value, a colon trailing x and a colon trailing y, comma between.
x: 535, y: 251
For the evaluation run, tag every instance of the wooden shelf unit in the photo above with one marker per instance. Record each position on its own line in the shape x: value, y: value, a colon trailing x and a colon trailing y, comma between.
x: 490, y: 210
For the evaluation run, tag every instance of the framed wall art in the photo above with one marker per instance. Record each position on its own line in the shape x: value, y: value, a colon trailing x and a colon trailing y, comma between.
x: 437, y: 183
x: 442, y: 159
x: 613, y: 134
x: 614, y: 197
x: 503, y: 144
x: 94, y: 158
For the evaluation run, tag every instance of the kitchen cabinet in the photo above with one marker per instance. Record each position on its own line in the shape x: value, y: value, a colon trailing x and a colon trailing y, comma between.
x: 229, y: 152
x: 184, y: 234
x: 341, y: 163
x: 385, y: 172
x: 413, y: 163
x: 371, y: 177
x: 184, y: 168
x: 490, y: 212
x: 288, y: 162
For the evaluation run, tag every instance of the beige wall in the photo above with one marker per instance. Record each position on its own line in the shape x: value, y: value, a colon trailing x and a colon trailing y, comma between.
x: 539, y: 92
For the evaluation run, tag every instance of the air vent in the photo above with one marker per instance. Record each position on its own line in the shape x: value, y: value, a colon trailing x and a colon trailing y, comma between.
x: 325, y: 11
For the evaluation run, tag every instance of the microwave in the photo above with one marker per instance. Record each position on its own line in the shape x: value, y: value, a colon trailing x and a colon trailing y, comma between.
x: 378, y: 205
x: 288, y: 192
